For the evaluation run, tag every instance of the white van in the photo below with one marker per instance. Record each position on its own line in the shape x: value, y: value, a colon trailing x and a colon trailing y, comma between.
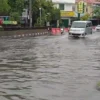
x: 80, y: 28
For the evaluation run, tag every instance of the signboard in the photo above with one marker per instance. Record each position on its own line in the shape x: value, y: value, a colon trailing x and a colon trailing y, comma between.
x: 80, y: 7
x: 6, y: 18
x: 25, y: 13
x: 67, y: 14
x: 10, y: 22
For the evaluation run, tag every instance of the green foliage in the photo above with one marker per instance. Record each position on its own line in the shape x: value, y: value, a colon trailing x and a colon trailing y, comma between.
x: 4, y: 7
x: 48, y: 11
x: 55, y: 14
x: 37, y: 24
x: 14, y: 8
x: 85, y: 17
x: 97, y: 12
x: 16, y: 5
x: 19, y: 6
x: 14, y: 16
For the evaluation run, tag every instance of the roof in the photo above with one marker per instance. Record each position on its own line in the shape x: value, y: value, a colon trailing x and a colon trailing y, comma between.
x: 63, y: 1
x: 82, y: 21
x: 87, y: 1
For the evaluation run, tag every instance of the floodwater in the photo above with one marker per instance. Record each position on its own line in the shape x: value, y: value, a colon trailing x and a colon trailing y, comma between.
x: 50, y: 68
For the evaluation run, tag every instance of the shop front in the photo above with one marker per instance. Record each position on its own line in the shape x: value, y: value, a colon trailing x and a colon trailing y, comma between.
x: 66, y: 17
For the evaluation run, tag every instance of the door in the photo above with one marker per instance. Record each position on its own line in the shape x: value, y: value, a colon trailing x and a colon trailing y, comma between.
x: 65, y: 22
x: 89, y: 28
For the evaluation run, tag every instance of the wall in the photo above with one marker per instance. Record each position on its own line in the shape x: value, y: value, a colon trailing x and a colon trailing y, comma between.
x: 63, y: 1
x: 87, y: 8
x: 68, y: 7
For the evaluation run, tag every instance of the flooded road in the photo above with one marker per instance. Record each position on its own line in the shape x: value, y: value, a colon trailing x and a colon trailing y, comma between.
x: 50, y: 68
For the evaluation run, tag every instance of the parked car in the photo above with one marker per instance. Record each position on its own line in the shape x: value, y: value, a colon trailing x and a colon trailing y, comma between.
x: 97, y: 28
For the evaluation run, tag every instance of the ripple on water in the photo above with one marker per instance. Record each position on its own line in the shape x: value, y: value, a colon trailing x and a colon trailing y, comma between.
x: 49, y: 68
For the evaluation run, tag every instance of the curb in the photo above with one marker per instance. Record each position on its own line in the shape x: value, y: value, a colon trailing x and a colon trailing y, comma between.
x: 25, y: 35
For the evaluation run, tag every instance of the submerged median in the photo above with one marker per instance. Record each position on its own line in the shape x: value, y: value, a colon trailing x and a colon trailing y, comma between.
x: 23, y: 32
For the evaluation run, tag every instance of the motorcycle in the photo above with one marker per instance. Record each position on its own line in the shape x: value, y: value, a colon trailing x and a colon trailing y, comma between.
x: 62, y: 30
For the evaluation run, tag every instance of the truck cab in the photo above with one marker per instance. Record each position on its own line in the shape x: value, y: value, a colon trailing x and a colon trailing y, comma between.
x: 80, y: 28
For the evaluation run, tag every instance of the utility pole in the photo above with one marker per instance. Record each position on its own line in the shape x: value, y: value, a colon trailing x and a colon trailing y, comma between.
x: 40, y: 16
x: 78, y: 16
x: 30, y: 12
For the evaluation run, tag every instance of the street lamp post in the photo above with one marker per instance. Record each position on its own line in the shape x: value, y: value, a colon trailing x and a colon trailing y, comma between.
x: 30, y: 12
x: 48, y: 15
x: 40, y: 16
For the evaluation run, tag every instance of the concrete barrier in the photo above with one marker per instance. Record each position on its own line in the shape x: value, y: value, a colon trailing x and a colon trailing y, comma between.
x: 57, y: 31
x: 26, y: 35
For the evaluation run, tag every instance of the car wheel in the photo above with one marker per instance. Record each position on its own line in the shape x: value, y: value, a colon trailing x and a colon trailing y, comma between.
x: 84, y: 34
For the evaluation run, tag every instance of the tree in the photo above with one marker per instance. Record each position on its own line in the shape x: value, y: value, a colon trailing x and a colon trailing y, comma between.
x: 85, y: 17
x: 4, y: 7
x: 16, y: 5
x: 16, y: 10
x: 20, y: 6
x: 96, y: 12
x: 14, y: 16
x: 55, y: 14
x: 48, y: 11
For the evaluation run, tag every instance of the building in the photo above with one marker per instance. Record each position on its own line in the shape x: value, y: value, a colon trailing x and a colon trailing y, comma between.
x: 67, y: 10
x: 88, y: 7
x: 94, y: 19
x: 97, y: 2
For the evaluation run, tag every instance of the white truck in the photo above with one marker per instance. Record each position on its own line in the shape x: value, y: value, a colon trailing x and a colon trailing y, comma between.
x: 80, y: 28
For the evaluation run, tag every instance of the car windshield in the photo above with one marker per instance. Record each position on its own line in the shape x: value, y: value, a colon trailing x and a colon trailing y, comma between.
x: 78, y: 25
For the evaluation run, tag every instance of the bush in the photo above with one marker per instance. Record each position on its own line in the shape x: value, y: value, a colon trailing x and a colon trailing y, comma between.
x: 85, y: 17
x: 14, y: 16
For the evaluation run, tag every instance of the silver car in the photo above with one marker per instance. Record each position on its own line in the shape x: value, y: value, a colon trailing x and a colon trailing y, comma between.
x: 97, y: 28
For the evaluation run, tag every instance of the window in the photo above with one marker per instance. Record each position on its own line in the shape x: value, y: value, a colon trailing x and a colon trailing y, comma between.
x: 61, y: 6
x: 78, y: 25
x: 89, y: 24
x: 73, y: 8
